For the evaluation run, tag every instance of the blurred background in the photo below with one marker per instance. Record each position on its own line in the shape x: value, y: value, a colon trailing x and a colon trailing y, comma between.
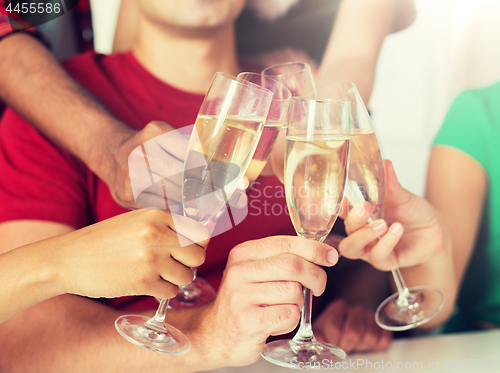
x: 453, y: 45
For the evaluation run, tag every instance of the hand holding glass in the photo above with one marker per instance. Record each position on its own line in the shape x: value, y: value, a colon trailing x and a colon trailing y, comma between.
x: 408, y: 308
x: 298, y: 78
x: 221, y: 146
x: 316, y: 163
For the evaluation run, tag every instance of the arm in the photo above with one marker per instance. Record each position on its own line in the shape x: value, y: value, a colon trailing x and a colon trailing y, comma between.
x: 459, y: 197
x: 73, y: 333
x: 35, y: 76
x: 126, y: 27
x: 67, y: 263
x: 356, y: 39
x: 423, y: 252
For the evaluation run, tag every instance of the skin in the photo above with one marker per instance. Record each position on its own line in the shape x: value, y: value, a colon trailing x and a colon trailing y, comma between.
x: 36, y: 76
x: 427, y: 252
x: 139, y: 253
x: 283, y: 262
x: 263, y: 268
x: 357, y: 37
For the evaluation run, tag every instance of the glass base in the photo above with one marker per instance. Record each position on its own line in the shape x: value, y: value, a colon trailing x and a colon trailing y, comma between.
x: 137, y: 330
x: 423, y: 304
x: 303, y: 355
x: 196, y: 294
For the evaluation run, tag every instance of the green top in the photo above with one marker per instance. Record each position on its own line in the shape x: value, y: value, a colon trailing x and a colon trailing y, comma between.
x: 473, y: 126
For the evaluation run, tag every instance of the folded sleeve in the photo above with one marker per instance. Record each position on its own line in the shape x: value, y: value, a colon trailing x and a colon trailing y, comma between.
x: 11, y: 22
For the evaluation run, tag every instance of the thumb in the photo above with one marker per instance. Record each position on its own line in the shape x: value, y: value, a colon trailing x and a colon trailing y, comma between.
x: 395, y: 192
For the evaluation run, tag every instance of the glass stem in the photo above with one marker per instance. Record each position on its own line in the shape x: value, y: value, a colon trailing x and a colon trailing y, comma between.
x: 403, y: 291
x: 305, y: 332
x: 157, y: 322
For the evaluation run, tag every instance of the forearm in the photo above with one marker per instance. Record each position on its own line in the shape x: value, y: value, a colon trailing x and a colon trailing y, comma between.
x: 27, y: 279
x: 73, y: 334
x: 40, y: 90
x: 355, y: 42
x: 357, y: 69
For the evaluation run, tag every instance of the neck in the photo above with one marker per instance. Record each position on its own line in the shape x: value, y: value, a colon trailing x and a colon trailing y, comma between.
x: 186, y: 60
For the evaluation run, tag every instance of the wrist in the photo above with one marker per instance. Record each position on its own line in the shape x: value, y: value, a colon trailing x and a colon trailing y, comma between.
x: 200, y: 328
x: 42, y: 275
x: 104, y: 158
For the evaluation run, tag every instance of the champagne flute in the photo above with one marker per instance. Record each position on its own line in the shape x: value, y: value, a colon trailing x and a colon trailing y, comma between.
x: 221, y: 146
x: 317, y: 160
x: 223, y: 141
x: 298, y: 78
x: 409, y: 307
x: 274, y: 121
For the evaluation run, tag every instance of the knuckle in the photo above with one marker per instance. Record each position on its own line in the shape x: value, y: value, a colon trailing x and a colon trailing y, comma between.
x: 236, y: 253
x: 320, y: 278
x: 352, y: 336
x: 146, y: 257
x: 285, y: 245
x: 149, y: 233
x: 199, y: 256
x: 291, y: 264
x: 369, y: 340
x: 357, y: 309
x: 168, y: 291
x: 184, y: 276
x: 235, y: 270
x: 295, y: 288
x: 284, y: 315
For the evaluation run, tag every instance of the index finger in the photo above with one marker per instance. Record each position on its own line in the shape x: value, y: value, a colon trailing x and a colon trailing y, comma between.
x: 312, y: 251
x: 190, y: 231
x: 357, y: 217
x: 175, y: 142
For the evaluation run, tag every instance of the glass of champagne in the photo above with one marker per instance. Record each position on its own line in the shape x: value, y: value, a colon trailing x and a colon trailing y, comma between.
x: 221, y: 146
x: 409, y: 307
x: 274, y: 121
x: 316, y: 166
x: 298, y: 78
x: 223, y: 141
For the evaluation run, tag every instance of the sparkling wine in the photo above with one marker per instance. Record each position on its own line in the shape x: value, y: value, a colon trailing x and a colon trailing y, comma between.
x: 220, y: 151
x: 366, y: 172
x: 263, y: 150
x: 315, y: 177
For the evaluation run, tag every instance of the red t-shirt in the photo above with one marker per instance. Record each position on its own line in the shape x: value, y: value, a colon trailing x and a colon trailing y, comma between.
x: 41, y: 181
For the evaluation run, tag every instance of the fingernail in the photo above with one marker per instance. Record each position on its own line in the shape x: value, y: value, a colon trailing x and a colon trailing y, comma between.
x: 378, y: 225
x: 331, y: 256
x: 359, y: 209
x: 396, y: 229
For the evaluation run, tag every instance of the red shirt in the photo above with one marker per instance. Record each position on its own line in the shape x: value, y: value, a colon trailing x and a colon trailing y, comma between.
x: 40, y: 181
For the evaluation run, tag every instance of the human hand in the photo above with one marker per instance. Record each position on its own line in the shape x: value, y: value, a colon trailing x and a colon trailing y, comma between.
x: 425, y: 233
x: 138, y: 253
x: 261, y: 294
x: 170, y: 155
x: 352, y: 328
x: 283, y: 55
x: 149, y: 169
